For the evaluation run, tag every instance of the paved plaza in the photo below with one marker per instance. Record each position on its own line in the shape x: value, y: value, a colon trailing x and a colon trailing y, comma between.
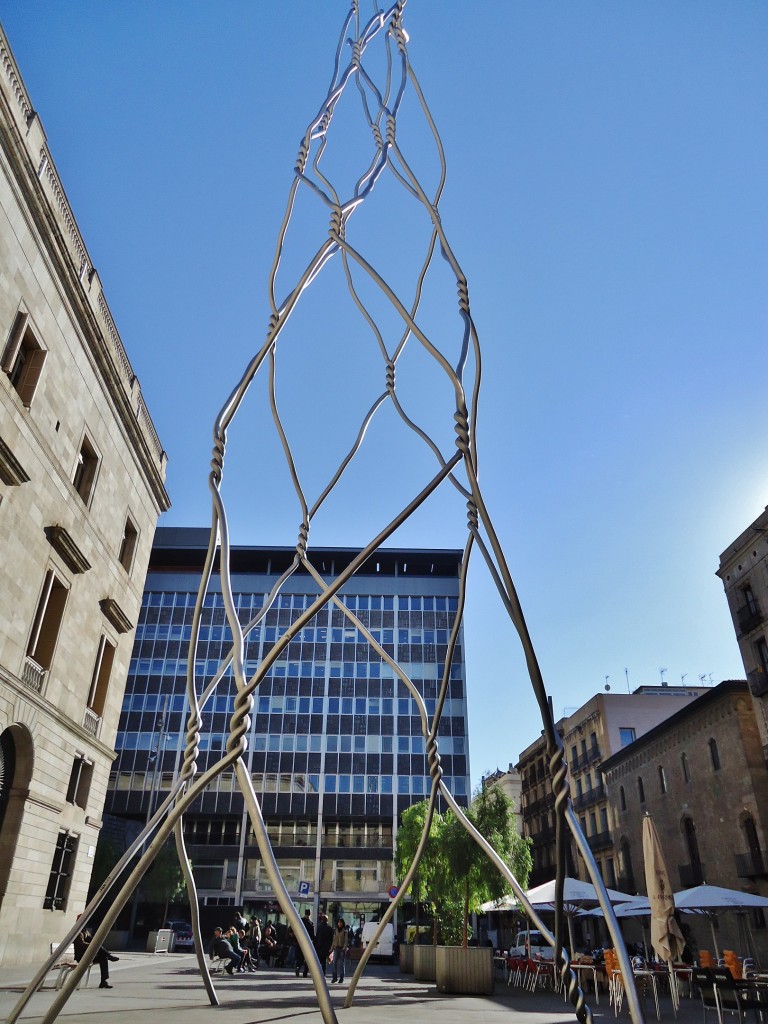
x: 147, y: 989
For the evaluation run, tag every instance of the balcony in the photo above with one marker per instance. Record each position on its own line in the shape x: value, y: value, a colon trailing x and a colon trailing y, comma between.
x: 600, y: 841
x: 748, y: 617
x: 33, y: 675
x: 91, y: 722
x: 753, y: 864
x: 587, y: 758
x: 691, y: 874
x: 591, y: 796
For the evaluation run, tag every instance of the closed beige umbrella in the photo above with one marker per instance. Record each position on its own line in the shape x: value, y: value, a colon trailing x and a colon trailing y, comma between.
x: 666, y: 938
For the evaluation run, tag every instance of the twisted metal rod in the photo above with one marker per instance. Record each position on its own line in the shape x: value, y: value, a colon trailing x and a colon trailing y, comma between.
x: 381, y: 105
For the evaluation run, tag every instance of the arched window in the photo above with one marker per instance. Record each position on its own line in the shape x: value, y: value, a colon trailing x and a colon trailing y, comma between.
x: 714, y: 753
x: 686, y: 768
x: 622, y: 798
x: 689, y: 831
x: 640, y: 789
x: 662, y: 779
x: 628, y: 880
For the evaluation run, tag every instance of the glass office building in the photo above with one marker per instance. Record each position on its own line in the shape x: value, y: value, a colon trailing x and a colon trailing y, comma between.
x: 335, y: 747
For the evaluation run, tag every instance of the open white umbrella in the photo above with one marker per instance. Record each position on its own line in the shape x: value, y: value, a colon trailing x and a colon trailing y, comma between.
x: 666, y: 937
x: 576, y: 896
x: 705, y: 898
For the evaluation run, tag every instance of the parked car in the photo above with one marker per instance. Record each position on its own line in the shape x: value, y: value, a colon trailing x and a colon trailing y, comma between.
x: 183, y: 938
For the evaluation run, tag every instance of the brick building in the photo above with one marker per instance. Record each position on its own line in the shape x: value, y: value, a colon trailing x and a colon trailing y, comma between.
x: 606, y: 723
x: 744, y: 572
x: 702, y: 776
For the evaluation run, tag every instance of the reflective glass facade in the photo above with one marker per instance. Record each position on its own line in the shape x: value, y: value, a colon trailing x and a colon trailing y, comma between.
x: 335, y: 748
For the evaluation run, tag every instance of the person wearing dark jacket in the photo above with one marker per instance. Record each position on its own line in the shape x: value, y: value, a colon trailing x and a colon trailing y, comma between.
x: 221, y: 948
x: 102, y: 958
x: 300, y: 960
x: 323, y: 940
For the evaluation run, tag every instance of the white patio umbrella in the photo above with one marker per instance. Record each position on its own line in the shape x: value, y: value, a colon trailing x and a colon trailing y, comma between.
x: 706, y: 898
x: 666, y: 937
x: 576, y: 896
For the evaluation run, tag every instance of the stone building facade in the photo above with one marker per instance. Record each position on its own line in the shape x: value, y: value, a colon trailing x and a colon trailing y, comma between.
x: 606, y: 723
x: 510, y: 783
x: 744, y: 572
x: 81, y: 487
x: 701, y: 775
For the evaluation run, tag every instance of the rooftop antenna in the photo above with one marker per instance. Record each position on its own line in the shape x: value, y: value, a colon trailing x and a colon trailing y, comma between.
x: 607, y: 687
x: 703, y: 678
x: 661, y: 674
x: 626, y: 676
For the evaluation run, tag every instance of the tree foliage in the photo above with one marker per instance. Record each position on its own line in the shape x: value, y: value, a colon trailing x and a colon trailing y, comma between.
x: 164, y: 880
x: 455, y: 876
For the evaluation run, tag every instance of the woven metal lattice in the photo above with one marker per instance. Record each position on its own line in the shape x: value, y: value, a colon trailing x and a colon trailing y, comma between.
x: 377, y: 98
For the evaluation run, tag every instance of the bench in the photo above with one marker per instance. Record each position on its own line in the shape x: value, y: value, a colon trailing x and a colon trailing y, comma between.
x: 65, y: 966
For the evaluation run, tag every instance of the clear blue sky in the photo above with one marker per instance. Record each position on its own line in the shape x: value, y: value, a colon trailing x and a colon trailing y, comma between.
x: 607, y: 199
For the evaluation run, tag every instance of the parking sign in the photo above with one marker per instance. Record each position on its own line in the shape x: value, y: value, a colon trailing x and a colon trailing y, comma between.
x: 303, y: 888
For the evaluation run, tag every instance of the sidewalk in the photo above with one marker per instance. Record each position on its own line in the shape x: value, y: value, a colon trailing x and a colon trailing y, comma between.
x: 147, y: 989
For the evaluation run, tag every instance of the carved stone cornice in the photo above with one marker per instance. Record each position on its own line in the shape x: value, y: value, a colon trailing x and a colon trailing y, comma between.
x: 115, y: 614
x: 62, y: 542
x: 11, y: 470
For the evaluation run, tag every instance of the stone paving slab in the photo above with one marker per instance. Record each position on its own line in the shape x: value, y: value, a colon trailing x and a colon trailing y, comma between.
x: 148, y: 989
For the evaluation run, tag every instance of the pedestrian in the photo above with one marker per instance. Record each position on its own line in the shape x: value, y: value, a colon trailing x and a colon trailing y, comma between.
x: 339, y: 950
x: 102, y: 958
x: 221, y: 948
x: 310, y: 928
x: 248, y: 964
x: 323, y: 940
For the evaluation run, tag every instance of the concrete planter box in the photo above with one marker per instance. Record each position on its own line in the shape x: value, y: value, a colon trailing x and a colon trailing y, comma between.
x: 424, y: 963
x: 460, y: 971
x: 406, y: 958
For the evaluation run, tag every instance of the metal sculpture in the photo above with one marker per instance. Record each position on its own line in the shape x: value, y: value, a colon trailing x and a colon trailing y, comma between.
x: 380, y: 106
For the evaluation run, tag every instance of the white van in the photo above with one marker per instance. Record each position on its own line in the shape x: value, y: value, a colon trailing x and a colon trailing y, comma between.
x: 531, y: 944
x: 385, y: 947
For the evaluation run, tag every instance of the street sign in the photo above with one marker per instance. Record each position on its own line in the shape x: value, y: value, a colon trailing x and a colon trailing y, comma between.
x: 304, y: 889
x: 393, y: 891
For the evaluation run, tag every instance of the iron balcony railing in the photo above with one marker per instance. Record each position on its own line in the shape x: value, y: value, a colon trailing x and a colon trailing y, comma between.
x: 600, y: 841
x: 749, y: 617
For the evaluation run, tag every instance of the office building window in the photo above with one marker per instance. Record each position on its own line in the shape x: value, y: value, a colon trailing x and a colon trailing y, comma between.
x: 60, y: 877
x: 23, y: 358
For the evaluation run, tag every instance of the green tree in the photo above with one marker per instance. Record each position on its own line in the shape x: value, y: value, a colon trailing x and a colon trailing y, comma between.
x: 470, y: 878
x: 455, y: 876
x: 164, y: 880
x: 423, y: 887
